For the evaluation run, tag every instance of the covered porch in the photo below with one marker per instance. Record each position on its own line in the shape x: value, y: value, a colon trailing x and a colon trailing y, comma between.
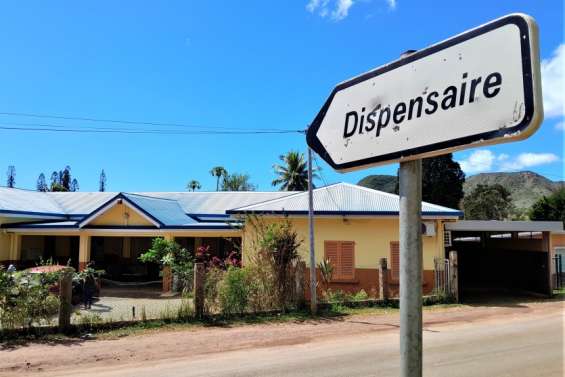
x: 115, y: 252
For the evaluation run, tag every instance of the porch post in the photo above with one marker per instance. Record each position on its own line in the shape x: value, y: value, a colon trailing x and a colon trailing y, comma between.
x: 15, y: 248
x: 83, y: 251
x: 167, y: 276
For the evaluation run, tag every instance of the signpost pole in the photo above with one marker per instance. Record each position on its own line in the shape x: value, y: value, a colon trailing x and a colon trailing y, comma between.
x: 313, y: 284
x: 410, y: 190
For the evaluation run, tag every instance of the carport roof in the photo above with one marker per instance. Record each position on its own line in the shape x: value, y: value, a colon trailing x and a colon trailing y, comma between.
x: 504, y: 226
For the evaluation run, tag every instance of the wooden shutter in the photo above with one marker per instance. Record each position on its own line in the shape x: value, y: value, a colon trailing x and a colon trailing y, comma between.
x: 395, y: 260
x: 341, y: 255
x: 332, y: 254
x: 347, y: 260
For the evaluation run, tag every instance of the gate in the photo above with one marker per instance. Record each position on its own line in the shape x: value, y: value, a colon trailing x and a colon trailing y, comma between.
x: 558, y: 262
x: 441, y: 276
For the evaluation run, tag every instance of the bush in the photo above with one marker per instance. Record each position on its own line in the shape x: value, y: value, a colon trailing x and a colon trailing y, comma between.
x: 214, y: 277
x: 234, y: 291
x: 171, y: 254
x: 276, y: 245
x: 25, y: 300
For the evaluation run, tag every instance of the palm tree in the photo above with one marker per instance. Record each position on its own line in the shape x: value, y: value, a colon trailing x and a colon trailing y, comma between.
x: 218, y: 172
x: 293, y: 172
x: 193, y: 185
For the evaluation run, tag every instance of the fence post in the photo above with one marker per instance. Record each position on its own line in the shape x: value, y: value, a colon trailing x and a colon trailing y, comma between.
x: 453, y: 278
x: 383, y: 280
x: 199, y: 280
x: 299, y: 284
x: 65, y: 298
x: 167, y: 279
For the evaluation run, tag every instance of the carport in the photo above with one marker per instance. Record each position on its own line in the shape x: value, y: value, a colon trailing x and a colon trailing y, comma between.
x: 502, y: 257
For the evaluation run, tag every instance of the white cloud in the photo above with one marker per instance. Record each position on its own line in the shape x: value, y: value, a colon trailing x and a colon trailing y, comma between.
x: 479, y: 161
x: 484, y: 160
x: 342, y: 9
x: 553, y: 83
x: 527, y: 160
x: 391, y: 4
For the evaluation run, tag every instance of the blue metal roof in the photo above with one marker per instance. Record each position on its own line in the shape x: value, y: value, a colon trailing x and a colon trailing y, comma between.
x: 342, y: 199
x: 166, y: 212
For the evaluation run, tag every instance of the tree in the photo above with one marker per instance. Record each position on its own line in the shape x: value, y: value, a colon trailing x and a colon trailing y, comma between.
x: 63, y: 181
x: 65, y: 178
x: 11, y: 176
x: 54, y: 179
x: 550, y: 207
x: 237, y: 182
x: 292, y: 174
x: 41, y: 184
x: 442, y: 181
x: 218, y: 172
x: 193, y: 185
x: 102, y: 181
x: 488, y: 202
x: 74, y: 185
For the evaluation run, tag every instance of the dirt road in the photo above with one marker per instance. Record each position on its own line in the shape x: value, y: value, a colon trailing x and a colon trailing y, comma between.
x: 515, y: 340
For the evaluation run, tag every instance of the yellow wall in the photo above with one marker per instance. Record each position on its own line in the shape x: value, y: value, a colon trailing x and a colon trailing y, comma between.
x: 117, y: 216
x: 372, y: 239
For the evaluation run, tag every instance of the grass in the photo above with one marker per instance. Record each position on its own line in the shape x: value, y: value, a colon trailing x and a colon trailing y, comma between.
x: 106, y: 330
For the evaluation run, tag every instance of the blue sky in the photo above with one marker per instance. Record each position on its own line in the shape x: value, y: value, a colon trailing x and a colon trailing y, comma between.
x: 242, y: 64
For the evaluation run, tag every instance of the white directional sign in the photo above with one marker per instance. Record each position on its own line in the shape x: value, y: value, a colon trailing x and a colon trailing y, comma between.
x: 479, y: 87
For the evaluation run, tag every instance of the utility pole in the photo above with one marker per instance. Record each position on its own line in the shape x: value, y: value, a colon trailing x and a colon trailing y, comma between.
x: 313, y: 284
x: 410, y: 190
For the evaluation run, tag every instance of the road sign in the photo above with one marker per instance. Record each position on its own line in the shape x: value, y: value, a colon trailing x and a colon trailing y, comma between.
x: 479, y: 87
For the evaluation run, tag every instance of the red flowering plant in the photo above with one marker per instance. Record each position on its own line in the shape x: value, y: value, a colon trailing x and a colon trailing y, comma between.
x: 203, y: 255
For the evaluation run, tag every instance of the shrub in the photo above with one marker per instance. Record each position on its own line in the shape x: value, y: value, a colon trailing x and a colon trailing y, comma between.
x: 359, y: 296
x: 335, y: 296
x: 326, y: 271
x: 276, y: 245
x: 25, y: 300
x: 214, y: 277
x: 234, y: 291
x: 169, y: 253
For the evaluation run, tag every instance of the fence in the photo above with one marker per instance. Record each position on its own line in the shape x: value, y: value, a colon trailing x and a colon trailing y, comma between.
x: 441, y: 276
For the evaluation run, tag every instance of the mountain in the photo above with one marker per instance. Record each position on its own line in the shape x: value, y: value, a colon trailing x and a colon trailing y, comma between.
x: 386, y: 183
x: 526, y: 187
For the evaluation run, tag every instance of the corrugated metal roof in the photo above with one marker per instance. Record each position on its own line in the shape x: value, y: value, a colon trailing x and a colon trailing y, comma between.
x: 27, y: 201
x: 79, y: 203
x: 216, y: 202
x: 342, y: 198
x: 166, y: 211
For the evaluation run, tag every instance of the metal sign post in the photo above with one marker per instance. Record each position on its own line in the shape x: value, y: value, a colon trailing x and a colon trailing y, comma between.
x: 313, y: 284
x: 410, y: 190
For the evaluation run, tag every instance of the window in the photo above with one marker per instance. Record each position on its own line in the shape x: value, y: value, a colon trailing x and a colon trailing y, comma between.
x: 341, y: 255
x: 395, y: 260
x: 447, y: 238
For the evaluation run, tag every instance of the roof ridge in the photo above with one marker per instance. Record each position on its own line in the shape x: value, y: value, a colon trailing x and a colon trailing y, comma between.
x: 148, y: 197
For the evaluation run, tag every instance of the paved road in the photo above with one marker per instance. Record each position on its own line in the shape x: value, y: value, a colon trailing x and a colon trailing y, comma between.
x: 513, y: 346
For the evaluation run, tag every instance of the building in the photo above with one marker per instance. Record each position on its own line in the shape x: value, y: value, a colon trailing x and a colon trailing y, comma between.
x: 355, y: 227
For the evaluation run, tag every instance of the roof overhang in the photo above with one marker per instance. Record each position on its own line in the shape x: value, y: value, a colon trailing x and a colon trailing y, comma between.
x: 504, y: 226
